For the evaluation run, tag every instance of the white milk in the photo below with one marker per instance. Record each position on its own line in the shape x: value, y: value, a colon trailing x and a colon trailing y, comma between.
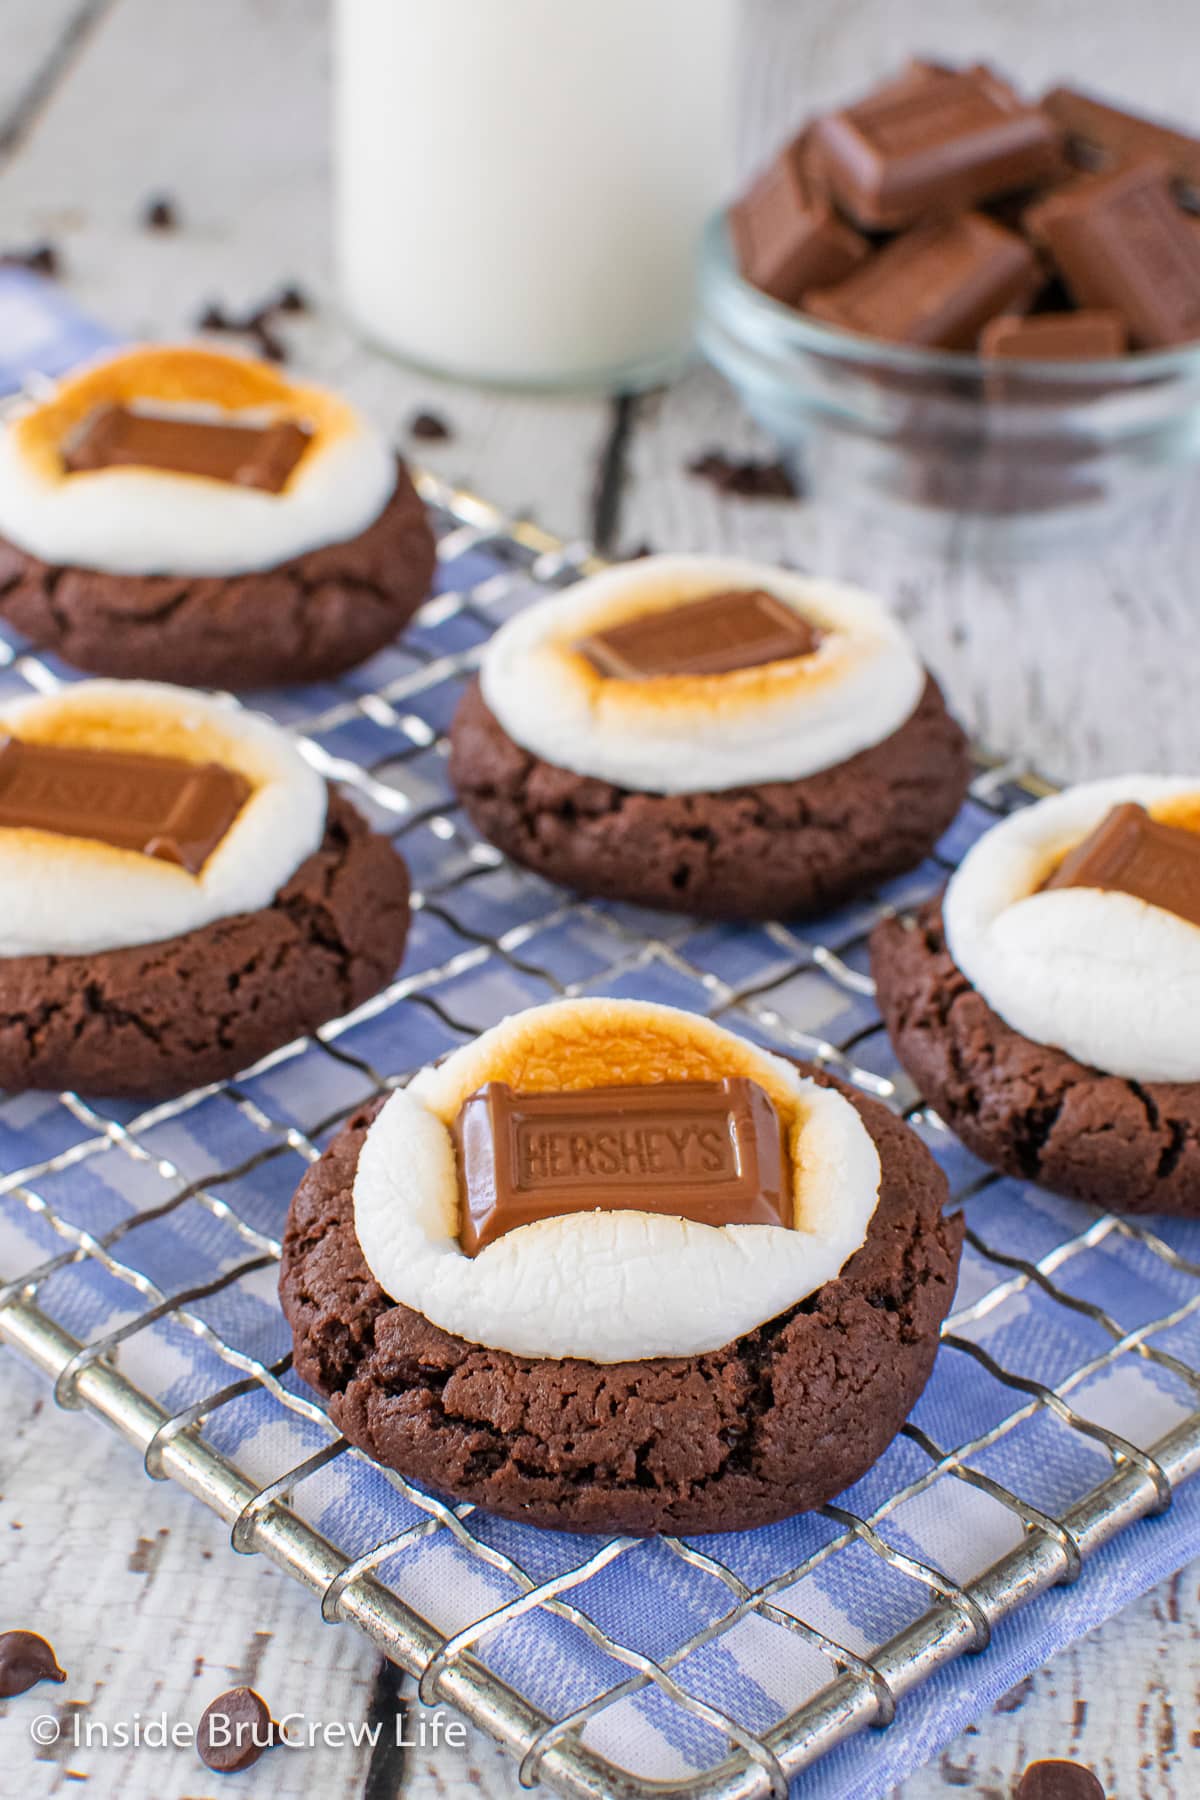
x: 521, y: 183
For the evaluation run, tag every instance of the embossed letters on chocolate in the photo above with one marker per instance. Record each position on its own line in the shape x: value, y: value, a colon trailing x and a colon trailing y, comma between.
x: 712, y: 1151
x: 160, y: 806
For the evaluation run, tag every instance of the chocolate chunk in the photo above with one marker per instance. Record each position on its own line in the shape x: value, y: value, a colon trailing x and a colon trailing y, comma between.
x: 25, y: 1659
x: 748, y: 477
x: 243, y: 455
x: 1108, y: 135
x: 160, y: 806
x: 1057, y: 337
x: 787, y: 235
x: 937, y: 285
x: 1053, y: 1780
x: 1122, y: 243
x: 257, y: 322
x: 722, y: 632
x: 945, y: 140
x: 712, y: 1151
x: 160, y: 214
x: 429, y: 428
x: 1135, y: 854
x: 234, y: 1730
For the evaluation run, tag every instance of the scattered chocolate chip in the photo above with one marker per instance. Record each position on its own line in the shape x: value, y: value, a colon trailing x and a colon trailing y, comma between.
x: 215, y: 318
x: 752, y: 479
x: 292, y: 299
x: 258, y: 321
x: 270, y: 346
x: 1058, y: 1781
x: 160, y: 214
x: 643, y: 549
x: 25, y: 1659
x: 430, y: 428
x: 40, y: 259
x: 234, y: 1730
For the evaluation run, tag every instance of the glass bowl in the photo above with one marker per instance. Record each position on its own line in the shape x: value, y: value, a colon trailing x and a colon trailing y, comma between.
x: 929, y: 437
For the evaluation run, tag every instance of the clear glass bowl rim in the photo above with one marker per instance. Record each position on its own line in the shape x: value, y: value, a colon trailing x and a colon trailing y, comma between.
x: 747, y: 311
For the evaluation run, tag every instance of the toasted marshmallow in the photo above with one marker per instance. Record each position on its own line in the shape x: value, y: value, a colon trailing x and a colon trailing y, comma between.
x: 679, y: 734
x: 1110, y: 979
x: 607, y: 1286
x: 64, y: 895
x: 135, y: 520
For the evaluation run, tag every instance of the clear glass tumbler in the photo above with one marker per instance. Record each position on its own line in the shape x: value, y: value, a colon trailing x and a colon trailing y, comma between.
x: 521, y: 185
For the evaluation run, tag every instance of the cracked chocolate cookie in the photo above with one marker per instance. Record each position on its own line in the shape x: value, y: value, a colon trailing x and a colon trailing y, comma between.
x: 561, y: 1275
x: 711, y: 737
x: 179, y: 892
x: 186, y: 516
x: 1047, y: 1005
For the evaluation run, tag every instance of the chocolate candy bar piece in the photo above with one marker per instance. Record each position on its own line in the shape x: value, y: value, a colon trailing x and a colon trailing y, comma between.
x: 702, y: 637
x: 712, y: 1151
x: 1108, y: 135
x: 1055, y: 337
x: 1133, y: 853
x: 937, y: 285
x: 1121, y: 242
x: 243, y: 455
x: 932, y: 144
x: 159, y: 806
x: 787, y: 235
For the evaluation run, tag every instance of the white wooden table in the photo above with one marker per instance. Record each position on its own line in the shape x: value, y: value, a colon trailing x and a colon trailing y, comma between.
x: 1080, y: 660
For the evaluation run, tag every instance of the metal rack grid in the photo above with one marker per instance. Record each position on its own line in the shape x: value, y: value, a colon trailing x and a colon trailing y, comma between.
x: 132, y: 1214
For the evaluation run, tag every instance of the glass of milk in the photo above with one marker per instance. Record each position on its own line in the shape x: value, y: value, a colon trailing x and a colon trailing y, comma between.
x: 521, y: 184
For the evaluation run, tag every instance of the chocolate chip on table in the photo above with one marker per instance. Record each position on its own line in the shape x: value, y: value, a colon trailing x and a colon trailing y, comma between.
x: 39, y: 259
x: 292, y: 299
x: 1058, y: 1781
x: 748, y: 477
x: 429, y: 428
x: 234, y: 1730
x: 160, y: 213
x: 26, y: 1659
x: 258, y: 321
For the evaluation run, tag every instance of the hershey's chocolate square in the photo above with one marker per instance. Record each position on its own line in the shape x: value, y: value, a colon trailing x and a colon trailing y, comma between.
x: 712, y: 1151
x: 1133, y: 853
x: 712, y: 636
x: 242, y: 455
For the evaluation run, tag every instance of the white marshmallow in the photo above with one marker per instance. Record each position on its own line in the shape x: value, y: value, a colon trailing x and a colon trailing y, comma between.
x: 696, y: 734
x: 66, y: 895
x: 603, y: 1286
x: 141, y: 521
x: 1104, y: 976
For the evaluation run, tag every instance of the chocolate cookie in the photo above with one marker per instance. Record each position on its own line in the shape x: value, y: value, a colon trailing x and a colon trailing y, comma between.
x: 307, y: 619
x: 157, y: 1019
x: 1029, y: 1109
x: 772, y: 1424
x: 766, y: 851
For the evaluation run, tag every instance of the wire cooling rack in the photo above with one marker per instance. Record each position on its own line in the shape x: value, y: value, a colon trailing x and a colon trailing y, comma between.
x: 144, y: 1244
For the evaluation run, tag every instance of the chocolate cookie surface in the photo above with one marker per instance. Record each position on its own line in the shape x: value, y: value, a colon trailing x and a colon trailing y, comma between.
x: 772, y: 1424
x: 1029, y: 1109
x: 769, y: 851
x: 157, y: 1019
x: 305, y: 620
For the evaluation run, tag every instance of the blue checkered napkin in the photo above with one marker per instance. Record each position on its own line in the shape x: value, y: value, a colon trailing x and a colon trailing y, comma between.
x: 1073, y: 1336
x: 42, y: 331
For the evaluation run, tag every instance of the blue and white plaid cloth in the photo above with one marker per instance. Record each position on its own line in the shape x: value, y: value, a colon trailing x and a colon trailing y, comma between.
x: 662, y: 1652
